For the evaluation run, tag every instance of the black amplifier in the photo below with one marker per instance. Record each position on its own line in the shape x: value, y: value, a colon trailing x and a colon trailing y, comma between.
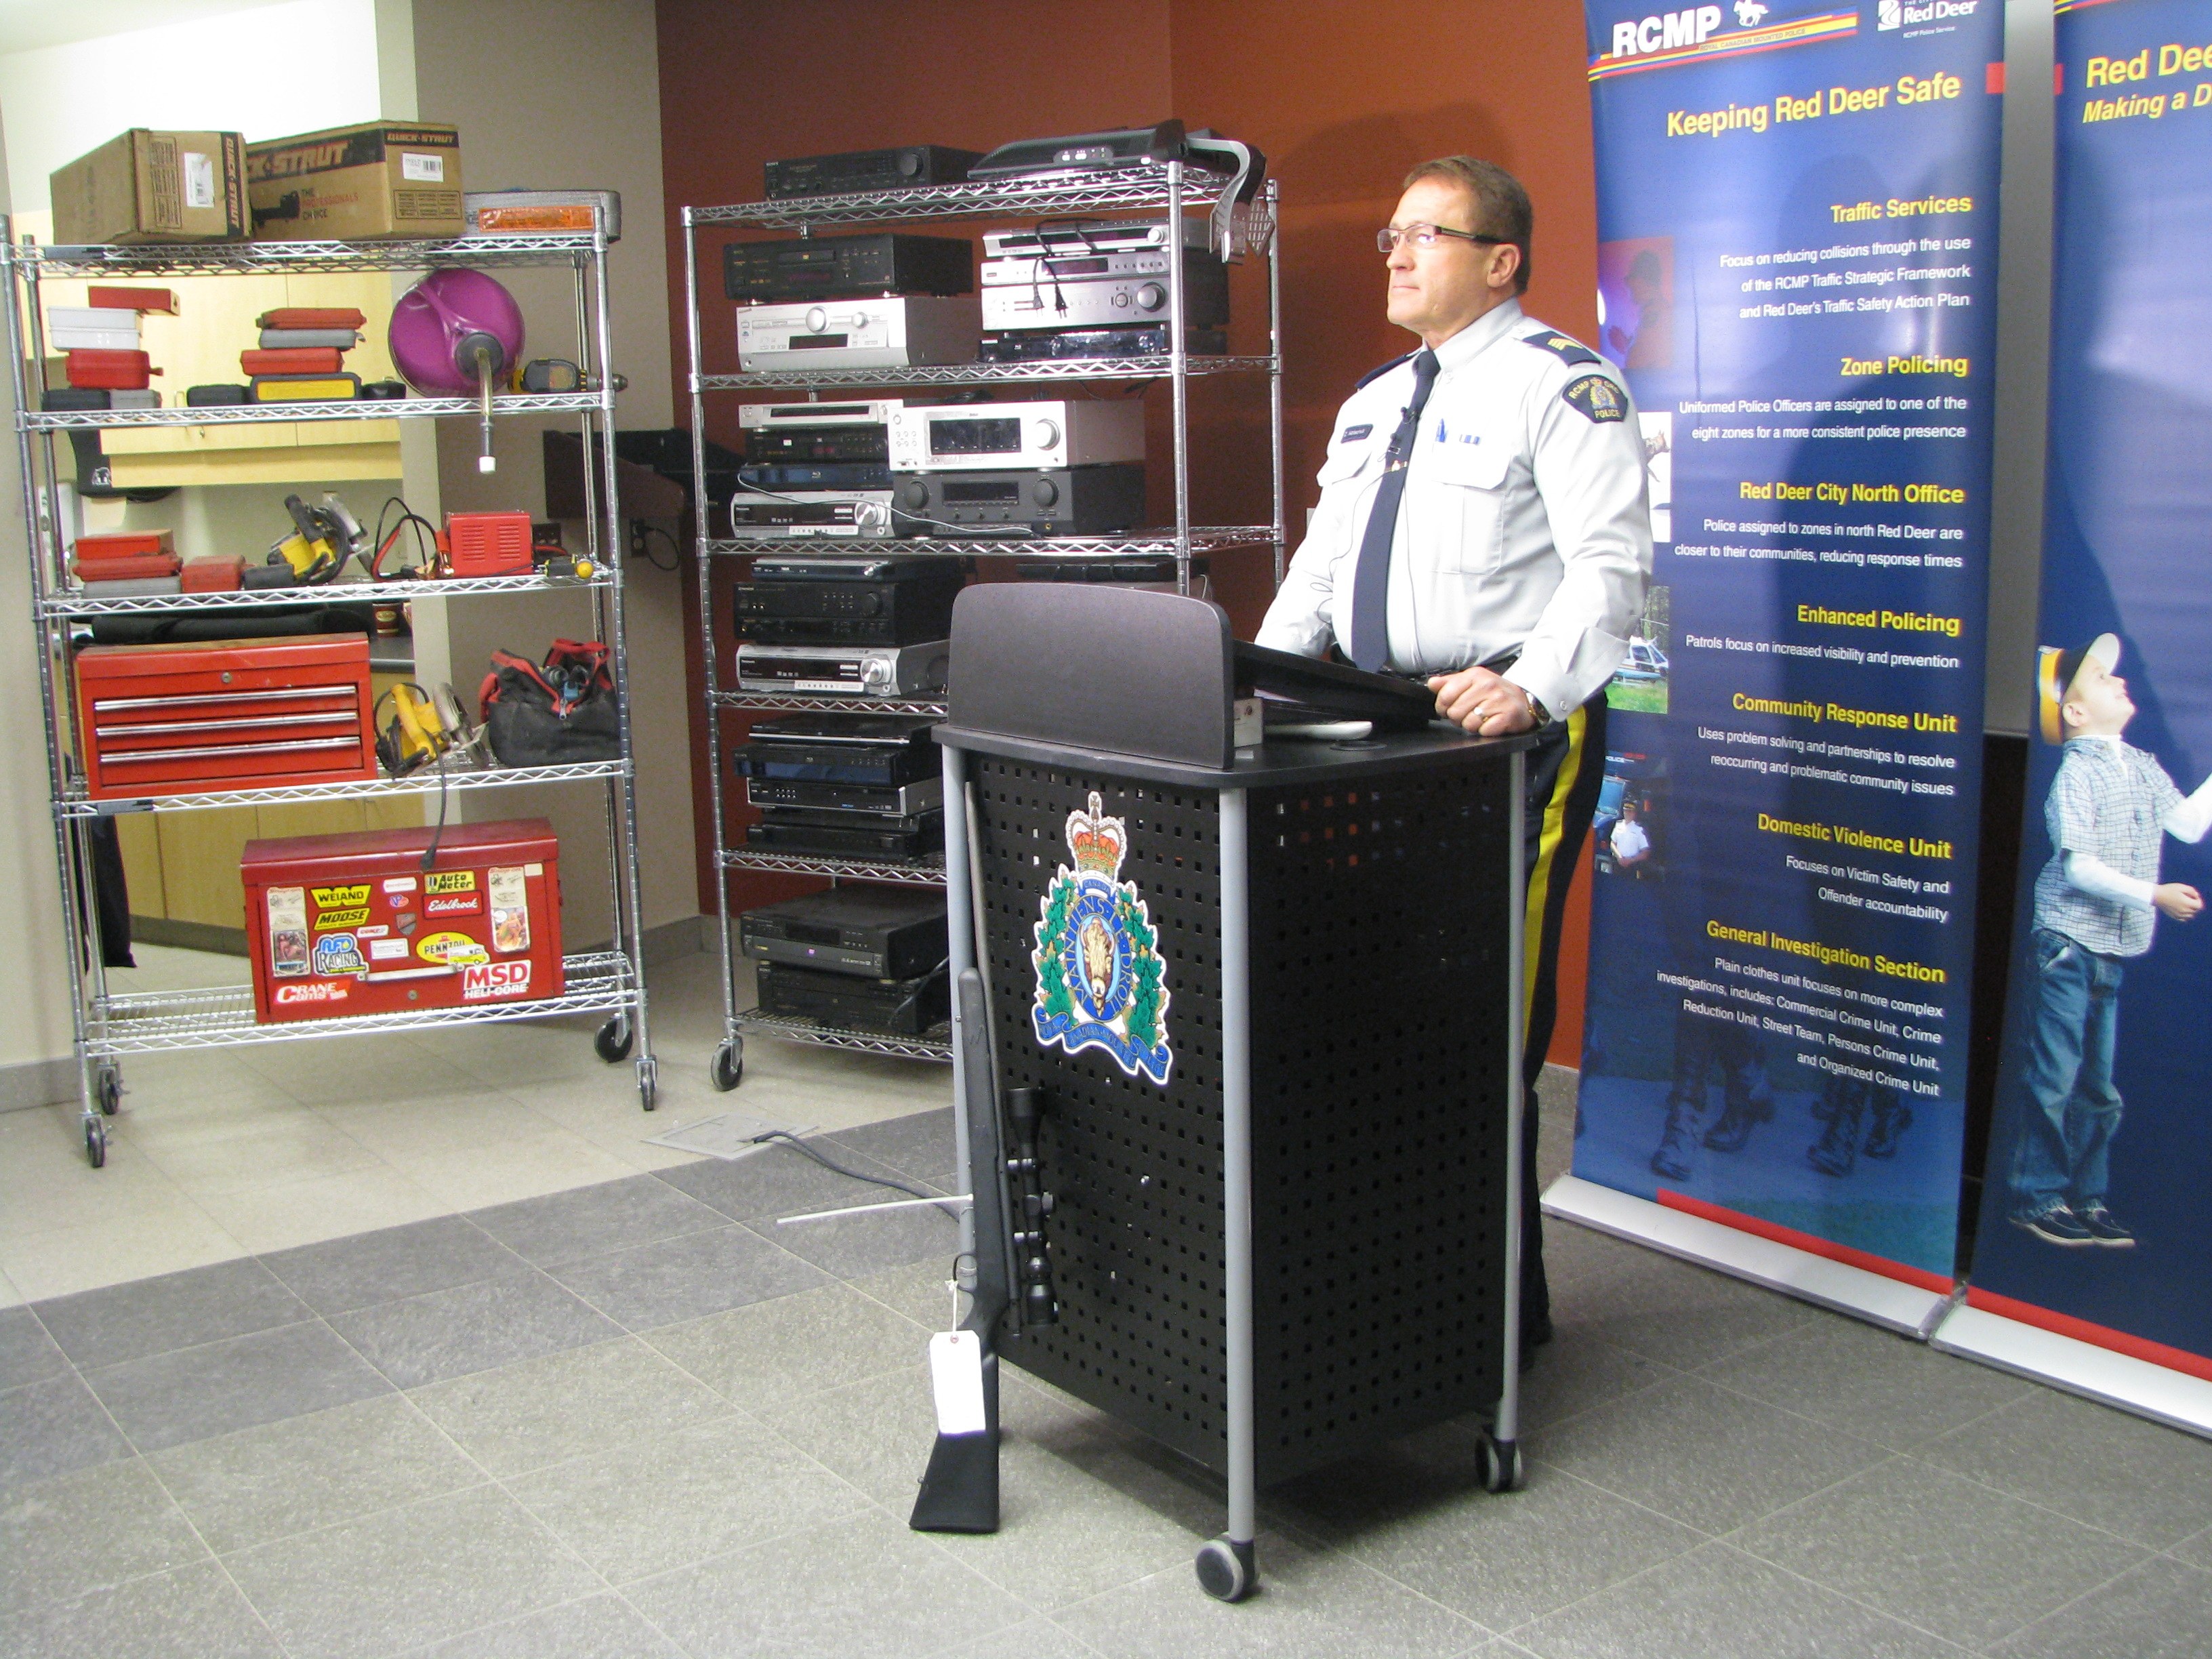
x: 861, y: 171
x: 884, y: 750
x: 924, y: 823
x: 1137, y: 340
x: 817, y: 475
x: 779, y: 446
x: 853, y: 838
x: 897, y: 612
x: 1160, y: 570
x: 1066, y: 500
x: 876, y: 933
x: 895, y: 800
x: 889, y: 1007
x: 848, y: 267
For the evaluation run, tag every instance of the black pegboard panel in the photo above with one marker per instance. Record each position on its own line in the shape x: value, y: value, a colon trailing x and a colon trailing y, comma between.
x: 1379, y: 916
x: 1134, y: 1169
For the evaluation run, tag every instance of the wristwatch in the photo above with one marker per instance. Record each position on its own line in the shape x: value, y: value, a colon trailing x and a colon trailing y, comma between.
x: 1537, y: 712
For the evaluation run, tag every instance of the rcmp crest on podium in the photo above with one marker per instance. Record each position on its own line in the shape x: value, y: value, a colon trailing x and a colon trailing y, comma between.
x: 1101, y: 981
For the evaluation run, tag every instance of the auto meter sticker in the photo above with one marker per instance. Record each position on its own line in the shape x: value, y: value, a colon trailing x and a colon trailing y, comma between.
x: 337, y: 954
x: 450, y: 881
x: 450, y: 949
x: 287, y: 933
x: 510, y: 910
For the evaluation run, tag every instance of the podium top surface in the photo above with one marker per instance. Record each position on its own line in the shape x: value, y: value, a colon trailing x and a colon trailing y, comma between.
x: 1141, y: 684
x: 1281, y: 761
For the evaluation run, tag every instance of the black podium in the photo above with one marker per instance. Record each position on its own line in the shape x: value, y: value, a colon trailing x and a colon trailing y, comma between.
x: 1269, y: 1001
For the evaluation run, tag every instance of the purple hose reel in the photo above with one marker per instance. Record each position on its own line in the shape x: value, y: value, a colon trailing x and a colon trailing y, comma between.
x: 455, y: 333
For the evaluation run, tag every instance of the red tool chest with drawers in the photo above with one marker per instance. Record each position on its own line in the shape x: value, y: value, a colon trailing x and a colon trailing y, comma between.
x: 354, y: 924
x: 170, y: 720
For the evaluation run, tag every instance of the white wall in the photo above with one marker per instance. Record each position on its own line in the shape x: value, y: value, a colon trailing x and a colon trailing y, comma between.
x: 597, y: 128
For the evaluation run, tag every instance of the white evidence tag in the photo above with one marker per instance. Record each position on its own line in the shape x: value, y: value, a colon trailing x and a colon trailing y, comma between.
x: 956, y: 1377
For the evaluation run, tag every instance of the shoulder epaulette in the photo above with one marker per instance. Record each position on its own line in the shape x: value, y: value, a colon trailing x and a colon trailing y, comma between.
x: 1377, y: 374
x: 1565, y: 347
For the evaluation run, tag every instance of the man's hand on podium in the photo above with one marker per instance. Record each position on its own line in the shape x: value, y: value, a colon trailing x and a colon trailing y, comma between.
x: 1488, y: 705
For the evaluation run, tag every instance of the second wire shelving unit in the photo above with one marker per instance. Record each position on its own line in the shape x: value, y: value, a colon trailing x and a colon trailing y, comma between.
x: 111, y: 1025
x: 1166, y: 192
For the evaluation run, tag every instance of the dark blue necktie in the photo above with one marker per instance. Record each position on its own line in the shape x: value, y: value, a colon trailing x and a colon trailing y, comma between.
x: 1370, y: 632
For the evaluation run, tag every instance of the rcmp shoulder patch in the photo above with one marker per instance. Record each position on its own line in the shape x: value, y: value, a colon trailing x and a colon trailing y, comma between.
x: 1597, y: 398
x: 1565, y: 348
x: 1377, y: 374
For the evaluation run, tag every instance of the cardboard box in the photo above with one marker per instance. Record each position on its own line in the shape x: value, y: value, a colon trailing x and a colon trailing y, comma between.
x: 148, y: 186
x: 383, y: 179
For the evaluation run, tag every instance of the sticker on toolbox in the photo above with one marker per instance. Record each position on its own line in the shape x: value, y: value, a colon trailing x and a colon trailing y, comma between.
x: 495, y: 979
x: 337, y: 954
x: 510, y: 910
x: 328, y: 990
x: 452, y: 950
x: 384, y: 949
x: 399, y: 884
x: 341, y: 918
x: 451, y: 881
x: 342, y: 898
x: 377, y: 931
x: 454, y: 905
x: 287, y: 933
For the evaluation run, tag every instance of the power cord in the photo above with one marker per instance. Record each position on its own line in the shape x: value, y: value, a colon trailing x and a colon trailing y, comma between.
x: 640, y: 533
x: 831, y: 1164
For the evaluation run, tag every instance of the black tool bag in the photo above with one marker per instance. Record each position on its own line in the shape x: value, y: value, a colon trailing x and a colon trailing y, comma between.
x: 566, y: 712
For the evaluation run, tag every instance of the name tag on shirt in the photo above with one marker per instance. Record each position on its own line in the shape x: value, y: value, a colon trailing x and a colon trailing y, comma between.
x: 1352, y: 434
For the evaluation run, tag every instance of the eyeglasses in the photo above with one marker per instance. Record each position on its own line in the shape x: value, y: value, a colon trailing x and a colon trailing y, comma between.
x: 1425, y: 236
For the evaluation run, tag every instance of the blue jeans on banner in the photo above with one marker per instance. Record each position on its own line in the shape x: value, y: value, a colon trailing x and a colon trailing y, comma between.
x: 2072, y: 1111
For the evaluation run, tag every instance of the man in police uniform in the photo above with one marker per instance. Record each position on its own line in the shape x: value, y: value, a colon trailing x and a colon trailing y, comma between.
x: 1483, y: 526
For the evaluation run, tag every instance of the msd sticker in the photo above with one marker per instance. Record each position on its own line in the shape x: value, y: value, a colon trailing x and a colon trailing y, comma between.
x: 335, y: 990
x: 495, y: 979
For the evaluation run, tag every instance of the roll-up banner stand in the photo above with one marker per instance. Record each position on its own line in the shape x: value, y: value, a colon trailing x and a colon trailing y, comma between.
x: 2089, y: 1265
x: 1797, y: 221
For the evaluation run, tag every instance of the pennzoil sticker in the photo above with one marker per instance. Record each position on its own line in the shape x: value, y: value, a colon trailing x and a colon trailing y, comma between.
x: 1597, y: 398
x: 1101, y: 981
x: 451, y: 950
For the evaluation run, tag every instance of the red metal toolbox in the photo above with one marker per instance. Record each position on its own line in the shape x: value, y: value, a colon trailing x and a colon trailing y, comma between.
x: 354, y: 924
x: 169, y: 719
x: 115, y: 371
x: 123, y: 544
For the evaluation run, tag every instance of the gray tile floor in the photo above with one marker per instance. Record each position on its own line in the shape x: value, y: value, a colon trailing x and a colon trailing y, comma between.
x: 639, y: 1419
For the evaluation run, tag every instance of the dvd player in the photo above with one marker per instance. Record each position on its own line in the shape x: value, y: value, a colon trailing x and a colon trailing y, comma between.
x: 890, y: 800
x: 875, y: 933
x: 889, y: 1007
x: 841, y: 841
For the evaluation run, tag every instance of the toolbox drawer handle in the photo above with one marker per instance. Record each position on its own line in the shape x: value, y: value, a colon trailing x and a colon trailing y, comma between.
x: 256, y: 723
x: 105, y: 705
x: 212, y: 751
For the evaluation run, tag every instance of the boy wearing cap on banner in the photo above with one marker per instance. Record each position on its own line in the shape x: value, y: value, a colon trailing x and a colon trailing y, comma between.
x: 2096, y: 905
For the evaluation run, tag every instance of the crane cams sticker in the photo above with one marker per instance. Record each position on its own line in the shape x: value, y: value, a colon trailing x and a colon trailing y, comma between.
x: 1100, y: 980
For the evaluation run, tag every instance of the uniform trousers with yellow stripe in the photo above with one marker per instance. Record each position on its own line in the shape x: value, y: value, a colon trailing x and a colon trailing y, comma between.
x: 1563, y: 774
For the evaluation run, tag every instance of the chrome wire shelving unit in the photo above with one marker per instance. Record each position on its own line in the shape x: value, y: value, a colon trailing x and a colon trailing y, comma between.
x: 1164, y: 191
x: 111, y: 1025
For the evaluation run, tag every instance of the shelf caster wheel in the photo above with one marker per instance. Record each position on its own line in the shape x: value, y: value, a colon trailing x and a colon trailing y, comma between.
x: 729, y: 1065
x: 96, y: 1142
x: 1224, y: 1570
x: 612, y: 1043
x: 648, y: 1084
x: 1498, y: 1463
x: 107, y: 1091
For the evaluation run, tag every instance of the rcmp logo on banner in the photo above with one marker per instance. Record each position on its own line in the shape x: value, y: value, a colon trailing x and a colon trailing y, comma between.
x: 1100, y: 977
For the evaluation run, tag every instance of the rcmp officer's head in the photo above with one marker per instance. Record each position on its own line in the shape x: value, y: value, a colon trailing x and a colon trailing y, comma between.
x: 1458, y: 245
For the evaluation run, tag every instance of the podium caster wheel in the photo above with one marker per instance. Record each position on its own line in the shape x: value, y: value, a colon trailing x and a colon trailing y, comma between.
x: 612, y: 1043
x: 1498, y: 1463
x: 729, y: 1065
x: 1224, y: 1570
x: 96, y: 1142
x: 107, y: 1091
x: 648, y: 1084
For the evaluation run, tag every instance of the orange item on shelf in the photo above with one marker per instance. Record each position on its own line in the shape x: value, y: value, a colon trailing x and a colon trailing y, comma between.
x: 123, y: 544
x: 163, y: 300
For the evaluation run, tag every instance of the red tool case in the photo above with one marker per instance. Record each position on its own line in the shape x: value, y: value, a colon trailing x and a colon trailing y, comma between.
x: 354, y: 924
x: 171, y: 720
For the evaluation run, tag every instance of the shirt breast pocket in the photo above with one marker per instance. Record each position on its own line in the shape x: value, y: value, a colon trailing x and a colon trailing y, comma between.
x: 1469, y: 499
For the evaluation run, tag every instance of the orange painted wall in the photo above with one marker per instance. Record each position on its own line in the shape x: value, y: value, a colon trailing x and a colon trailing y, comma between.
x: 1343, y: 97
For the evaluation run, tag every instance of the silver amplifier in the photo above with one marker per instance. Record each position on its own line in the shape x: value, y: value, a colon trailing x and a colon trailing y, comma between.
x: 1074, y: 267
x: 1054, y: 432
x: 1101, y: 301
x: 1095, y: 236
x: 859, y: 412
x: 765, y: 517
x: 862, y: 671
x: 892, y: 332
